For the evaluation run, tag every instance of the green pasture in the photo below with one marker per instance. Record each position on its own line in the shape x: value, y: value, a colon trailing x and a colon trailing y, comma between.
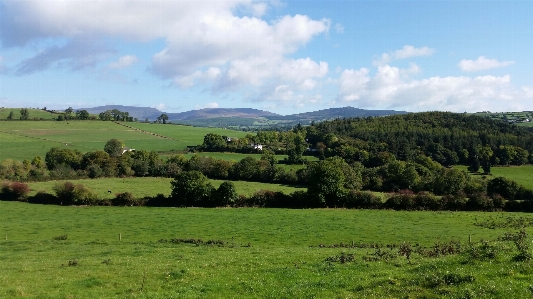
x: 33, y: 114
x: 114, y: 252
x: 187, y: 135
x: 523, y: 175
x: 149, y: 186
x: 27, y: 139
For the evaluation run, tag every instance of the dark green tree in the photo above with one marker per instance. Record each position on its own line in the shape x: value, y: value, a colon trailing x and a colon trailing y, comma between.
x: 82, y: 115
x: 24, y: 114
x: 114, y: 147
x: 10, y: 116
x: 191, y: 188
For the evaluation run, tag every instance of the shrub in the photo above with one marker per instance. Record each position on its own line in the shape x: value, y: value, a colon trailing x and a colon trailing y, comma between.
x: 454, y: 202
x: 362, y: 200
x: 125, y: 199
x: 191, y: 188
x: 225, y: 195
x: 403, y: 200
x: 480, y: 202
x: 14, y: 191
x: 70, y: 194
x: 43, y: 198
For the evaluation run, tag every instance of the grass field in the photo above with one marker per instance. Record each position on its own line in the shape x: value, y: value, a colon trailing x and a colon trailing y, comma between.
x: 523, y: 175
x: 33, y: 114
x: 27, y: 139
x: 186, y: 134
x: 268, y: 253
x: 149, y: 186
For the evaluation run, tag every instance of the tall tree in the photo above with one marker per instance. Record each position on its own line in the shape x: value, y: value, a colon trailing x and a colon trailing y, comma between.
x: 24, y: 114
x: 114, y: 147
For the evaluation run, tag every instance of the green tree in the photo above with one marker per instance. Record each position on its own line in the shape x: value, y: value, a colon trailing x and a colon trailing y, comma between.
x: 58, y: 156
x: 11, y: 115
x: 191, y: 188
x: 214, y: 143
x: 82, y: 115
x: 225, y: 195
x: 485, y: 156
x: 114, y: 147
x: 24, y: 114
x: 162, y: 118
x: 450, y: 181
x: 326, y: 181
x: 68, y: 112
x: 269, y: 156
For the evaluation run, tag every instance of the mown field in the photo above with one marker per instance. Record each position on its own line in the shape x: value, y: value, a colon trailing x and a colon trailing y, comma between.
x: 75, y: 252
x: 150, y: 186
x: 27, y: 139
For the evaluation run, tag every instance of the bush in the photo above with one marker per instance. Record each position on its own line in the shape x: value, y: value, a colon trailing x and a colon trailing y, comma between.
x: 125, y: 199
x: 480, y: 202
x: 362, y: 200
x: 14, y: 191
x: 455, y: 202
x: 191, y: 188
x: 225, y: 195
x: 427, y: 201
x: 403, y: 200
x: 43, y: 198
x: 70, y: 194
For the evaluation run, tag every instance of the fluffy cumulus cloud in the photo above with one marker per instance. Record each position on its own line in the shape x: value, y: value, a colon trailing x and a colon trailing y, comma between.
x: 406, y: 52
x: 225, y: 44
x: 390, y: 88
x: 124, y: 62
x: 482, y: 63
x: 208, y: 105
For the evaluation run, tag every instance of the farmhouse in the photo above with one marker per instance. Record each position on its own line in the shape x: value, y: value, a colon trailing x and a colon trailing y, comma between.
x: 127, y: 149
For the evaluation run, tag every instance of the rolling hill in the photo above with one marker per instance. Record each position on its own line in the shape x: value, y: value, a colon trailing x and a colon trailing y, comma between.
x: 243, y: 117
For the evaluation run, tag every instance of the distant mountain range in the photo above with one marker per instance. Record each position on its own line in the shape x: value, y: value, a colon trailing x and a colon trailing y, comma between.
x: 236, y: 117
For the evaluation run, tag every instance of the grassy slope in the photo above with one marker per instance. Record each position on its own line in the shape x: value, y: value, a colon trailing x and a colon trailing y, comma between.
x: 279, y: 264
x: 27, y: 139
x: 523, y: 175
x: 33, y: 113
x: 141, y: 187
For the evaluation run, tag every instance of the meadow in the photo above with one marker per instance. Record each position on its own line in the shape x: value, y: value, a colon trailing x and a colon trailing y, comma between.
x: 33, y: 114
x: 151, y: 186
x: 27, y: 139
x: 113, y: 252
x: 523, y: 174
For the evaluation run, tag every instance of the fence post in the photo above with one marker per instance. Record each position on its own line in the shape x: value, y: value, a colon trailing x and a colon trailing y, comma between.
x: 120, y: 237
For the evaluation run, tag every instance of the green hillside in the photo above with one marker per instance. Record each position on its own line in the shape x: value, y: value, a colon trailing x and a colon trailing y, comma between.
x: 34, y: 114
x: 27, y: 139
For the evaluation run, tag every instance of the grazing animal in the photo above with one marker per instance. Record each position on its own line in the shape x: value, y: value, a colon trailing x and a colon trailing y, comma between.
x: 108, y: 191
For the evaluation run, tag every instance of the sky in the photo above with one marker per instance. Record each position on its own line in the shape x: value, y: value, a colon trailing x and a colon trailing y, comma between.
x: 282, y: 56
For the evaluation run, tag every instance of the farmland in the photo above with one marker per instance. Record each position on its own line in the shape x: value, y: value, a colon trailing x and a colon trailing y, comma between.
x: 25, y: 140
x: 263, y: 253
x: 149, y: 186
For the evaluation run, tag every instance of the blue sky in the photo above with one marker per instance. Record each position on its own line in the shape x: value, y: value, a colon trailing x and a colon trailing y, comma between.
x: 282, y: 56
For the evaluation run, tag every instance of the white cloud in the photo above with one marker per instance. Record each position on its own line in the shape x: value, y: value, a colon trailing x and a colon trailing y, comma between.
x: 124, y: 62
x: 482, y: 63
x: 160, y: 107
x: 389, y: 89
x: 339, y: 28
x: 208, y: 105
x: 406, y: 52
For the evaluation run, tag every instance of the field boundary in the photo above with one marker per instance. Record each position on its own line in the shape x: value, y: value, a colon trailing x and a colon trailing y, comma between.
x: 146, y: 132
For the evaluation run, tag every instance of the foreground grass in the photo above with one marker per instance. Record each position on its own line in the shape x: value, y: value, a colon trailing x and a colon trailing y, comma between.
x: 269, y: 253
x: 150, y: 186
